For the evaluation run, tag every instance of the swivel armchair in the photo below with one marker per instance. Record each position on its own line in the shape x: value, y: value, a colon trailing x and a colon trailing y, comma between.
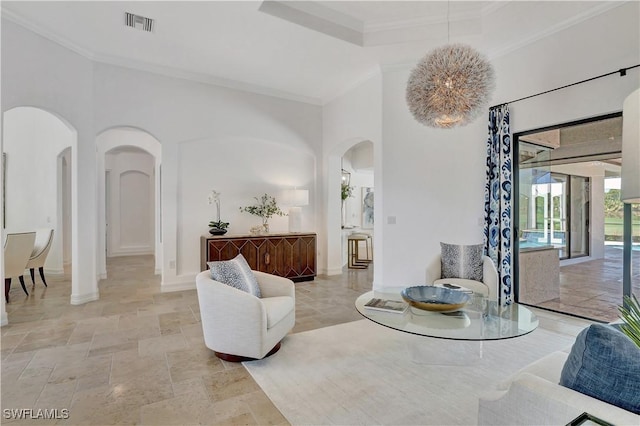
x: 238, y: 326
x: 487, y: 287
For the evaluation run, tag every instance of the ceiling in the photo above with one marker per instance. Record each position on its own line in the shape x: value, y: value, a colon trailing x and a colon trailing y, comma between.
x: 311, y: 51
x: 595, y: 141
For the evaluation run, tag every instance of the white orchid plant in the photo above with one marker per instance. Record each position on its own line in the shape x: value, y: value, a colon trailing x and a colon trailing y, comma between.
x: 214, y: 198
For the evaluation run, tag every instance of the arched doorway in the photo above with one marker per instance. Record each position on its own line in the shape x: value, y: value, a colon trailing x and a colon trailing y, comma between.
x: 335, y: 162
x: 129, y: 162
x: 358, y: 193
x: 39, y: 175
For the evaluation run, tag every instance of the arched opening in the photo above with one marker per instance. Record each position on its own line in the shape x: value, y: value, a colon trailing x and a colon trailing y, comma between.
x: 129, y: 162
x: 353, y: 158
x: 39, y: 174
x: 357, y: 192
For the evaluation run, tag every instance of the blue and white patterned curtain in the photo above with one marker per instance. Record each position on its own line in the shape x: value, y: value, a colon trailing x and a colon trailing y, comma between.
x: 497, y: 199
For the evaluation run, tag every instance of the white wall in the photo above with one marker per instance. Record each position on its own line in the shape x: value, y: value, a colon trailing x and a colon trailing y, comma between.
x: 433, y: 186
x: 240, y: 168
x: 433, y: 180
x: 348, y: 120
x: 238, y: 143
x: 65, y: 196
x: 33, y: 139
x: 597, y: 46
x: 131, y: 203
x: 94, y: 97
x: 39, y: 73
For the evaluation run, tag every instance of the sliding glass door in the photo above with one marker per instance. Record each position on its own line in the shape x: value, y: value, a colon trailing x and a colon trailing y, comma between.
x: 569, y: 218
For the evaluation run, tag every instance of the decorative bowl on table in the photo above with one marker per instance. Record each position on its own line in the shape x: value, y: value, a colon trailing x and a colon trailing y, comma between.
x: 432, y: 298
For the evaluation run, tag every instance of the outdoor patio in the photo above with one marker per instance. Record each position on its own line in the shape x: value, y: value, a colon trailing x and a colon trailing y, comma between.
x: 593, y: 289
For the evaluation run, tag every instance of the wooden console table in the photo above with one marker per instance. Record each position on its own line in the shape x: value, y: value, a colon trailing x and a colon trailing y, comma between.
x: 290, y: 255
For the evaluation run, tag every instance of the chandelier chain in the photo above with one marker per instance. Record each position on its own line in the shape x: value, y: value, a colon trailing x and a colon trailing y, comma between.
x: 448, y: 23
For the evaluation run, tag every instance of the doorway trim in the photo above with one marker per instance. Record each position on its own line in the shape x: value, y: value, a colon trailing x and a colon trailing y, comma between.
x: 153, y: 147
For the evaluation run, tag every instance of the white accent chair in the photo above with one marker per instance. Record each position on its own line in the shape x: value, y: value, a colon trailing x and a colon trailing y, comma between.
x: 488, y: 287
x: 238, y: 326
x: 17, y: 249
x: 44, y: 239
x: 532, y: 396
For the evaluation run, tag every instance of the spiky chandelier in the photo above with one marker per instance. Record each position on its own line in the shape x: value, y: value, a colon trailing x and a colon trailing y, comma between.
x: 450, y: 86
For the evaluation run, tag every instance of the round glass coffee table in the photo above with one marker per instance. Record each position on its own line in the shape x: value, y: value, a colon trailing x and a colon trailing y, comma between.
x: 479, y: 320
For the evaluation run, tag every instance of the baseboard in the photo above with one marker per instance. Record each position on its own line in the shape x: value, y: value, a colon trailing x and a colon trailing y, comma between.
x: 131, y: 251
x: 54, y: 272
x: 181, y: 283
x: 168, y: 288
x: 4, y: 319
x: 331, y: 271
x: 158, y: 271
x: 82, y: 299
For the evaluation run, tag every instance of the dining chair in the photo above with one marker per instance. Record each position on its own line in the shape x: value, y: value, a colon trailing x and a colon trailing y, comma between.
x: 44, y: 239
x: 17, y: 250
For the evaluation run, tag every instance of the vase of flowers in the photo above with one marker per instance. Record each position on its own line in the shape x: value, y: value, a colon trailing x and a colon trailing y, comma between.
x: 216, y: 227
x: 265, y: 208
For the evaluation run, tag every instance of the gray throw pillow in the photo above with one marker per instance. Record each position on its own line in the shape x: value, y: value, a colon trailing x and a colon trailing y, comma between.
x: 605, y: 364
x: 459, y: 261
x: 236, y: 273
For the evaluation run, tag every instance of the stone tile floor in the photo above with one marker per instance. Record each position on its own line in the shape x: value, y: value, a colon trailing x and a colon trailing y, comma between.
x: 137, y: 355
x: 593, y: 289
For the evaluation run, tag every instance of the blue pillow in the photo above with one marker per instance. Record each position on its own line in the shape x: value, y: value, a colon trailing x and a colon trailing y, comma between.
x: 236, y: 273
x: 605, y: 364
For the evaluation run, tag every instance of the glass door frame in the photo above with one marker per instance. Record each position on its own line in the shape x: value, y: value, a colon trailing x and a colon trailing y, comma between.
x: 515, y: 200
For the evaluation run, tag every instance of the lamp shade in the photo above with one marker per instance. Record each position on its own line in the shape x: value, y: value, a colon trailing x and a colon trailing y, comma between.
x: 298, y: 197
x: 630, y: 187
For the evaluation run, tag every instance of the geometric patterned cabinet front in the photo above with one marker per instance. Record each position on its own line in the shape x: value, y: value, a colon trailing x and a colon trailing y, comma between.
x: 290, y: 255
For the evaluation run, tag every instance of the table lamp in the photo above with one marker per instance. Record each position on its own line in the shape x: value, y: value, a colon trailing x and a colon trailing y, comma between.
x: 296, y: 198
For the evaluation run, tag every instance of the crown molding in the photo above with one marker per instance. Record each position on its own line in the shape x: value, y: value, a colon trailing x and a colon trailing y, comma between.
x: 567, y: 23
x: 49, y: 35
x: 399, y: 66
x: 377, y: 70
x: 261, y: 90
x: 494, y: 6
x: 314, y: 16
x: 422, y: 21
x: 156, y: 69
x: 205, y: 79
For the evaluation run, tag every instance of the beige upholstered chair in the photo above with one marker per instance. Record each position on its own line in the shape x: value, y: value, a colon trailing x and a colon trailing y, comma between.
x: 488, y: 287
x: 238, y: 326
x: 44, y: 239
x: 17, y: 249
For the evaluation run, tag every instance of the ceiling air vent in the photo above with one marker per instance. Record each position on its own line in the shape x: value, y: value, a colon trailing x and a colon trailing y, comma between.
x: 138, y: 22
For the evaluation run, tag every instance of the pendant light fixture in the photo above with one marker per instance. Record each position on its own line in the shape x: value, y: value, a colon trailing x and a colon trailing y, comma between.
x: 450, y: 86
